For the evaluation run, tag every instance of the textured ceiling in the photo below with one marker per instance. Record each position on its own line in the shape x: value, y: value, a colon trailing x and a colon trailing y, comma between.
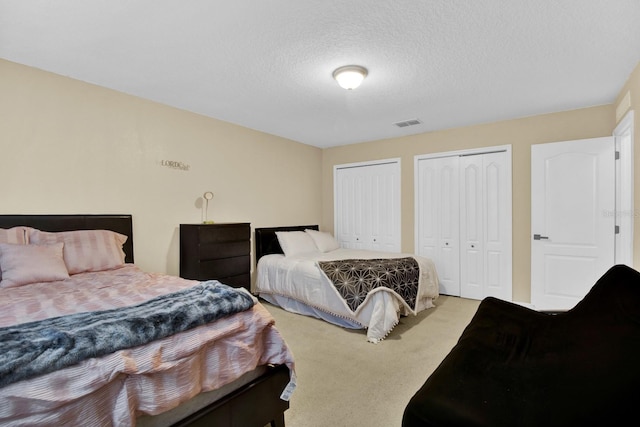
x: 267, y: 65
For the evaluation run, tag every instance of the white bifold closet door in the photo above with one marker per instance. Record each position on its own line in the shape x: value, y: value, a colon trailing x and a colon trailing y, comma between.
x: 367, y: 205
x: 463, y: 211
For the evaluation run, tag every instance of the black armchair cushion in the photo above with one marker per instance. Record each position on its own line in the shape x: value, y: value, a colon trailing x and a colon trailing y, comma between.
x: 514, y: 366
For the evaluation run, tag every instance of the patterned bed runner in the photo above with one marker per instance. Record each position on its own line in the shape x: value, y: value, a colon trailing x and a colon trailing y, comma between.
x: 354, y: 279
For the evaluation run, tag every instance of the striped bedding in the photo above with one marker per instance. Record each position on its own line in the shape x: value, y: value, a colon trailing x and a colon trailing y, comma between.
x: 117, y: 388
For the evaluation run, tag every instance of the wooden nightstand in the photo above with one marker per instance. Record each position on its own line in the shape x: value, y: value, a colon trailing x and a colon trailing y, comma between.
x: 216, y: 251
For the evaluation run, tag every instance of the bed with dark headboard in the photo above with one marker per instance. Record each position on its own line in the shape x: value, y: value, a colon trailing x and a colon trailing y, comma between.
x: 122, y: 224
x: 266, y: 240
x: 253, y: 403
x: 307, y: 271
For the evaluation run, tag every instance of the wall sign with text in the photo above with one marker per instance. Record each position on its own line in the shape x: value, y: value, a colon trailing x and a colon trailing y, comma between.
x: 172, y: 164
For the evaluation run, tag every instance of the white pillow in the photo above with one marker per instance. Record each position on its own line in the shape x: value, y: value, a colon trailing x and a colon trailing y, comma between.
x: 296, y: 242
x: 324, y: 241
x: 24, y: 264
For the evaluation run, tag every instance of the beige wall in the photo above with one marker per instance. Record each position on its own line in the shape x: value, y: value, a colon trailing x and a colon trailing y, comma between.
x: 72, y: 147
x: 521, y: 134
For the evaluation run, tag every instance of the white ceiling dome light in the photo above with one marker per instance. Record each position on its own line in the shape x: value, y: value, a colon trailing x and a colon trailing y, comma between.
x: 350, y: 76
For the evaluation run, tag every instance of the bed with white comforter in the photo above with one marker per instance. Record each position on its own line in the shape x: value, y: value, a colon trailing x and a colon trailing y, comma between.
x: 296, y: 283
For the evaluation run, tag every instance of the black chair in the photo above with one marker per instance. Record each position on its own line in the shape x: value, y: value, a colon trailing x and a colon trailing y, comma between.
x: 514, y: 366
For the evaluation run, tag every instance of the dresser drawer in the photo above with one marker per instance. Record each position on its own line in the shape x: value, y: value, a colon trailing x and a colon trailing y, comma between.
x: 224, y: 233
x: 224, y: 250
x: 225, y: 267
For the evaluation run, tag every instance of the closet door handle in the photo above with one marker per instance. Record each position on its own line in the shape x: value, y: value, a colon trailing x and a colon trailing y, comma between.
x: 539, y: 237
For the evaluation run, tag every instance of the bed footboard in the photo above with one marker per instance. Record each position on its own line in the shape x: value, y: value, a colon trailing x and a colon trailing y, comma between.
x: 254, y: 405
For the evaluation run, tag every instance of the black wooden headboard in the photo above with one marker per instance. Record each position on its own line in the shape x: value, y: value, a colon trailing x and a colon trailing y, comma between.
x: 122, y: 224
x: 267, y: 241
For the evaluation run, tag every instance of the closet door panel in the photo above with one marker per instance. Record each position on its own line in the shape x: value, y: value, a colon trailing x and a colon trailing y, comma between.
x: 449, y: 206
x: 471, y: 227
x: 359, y: 216
x: 428, y: 217
x: 438, y: 232
x: 384, y: 208
x: 497, y: 226
x: 349, y: 208
x: 341, y: 195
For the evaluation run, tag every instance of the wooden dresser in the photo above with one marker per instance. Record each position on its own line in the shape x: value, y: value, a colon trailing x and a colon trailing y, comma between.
x: 216, y: 251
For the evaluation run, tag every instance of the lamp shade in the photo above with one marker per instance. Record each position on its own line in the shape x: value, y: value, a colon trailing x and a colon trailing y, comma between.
x: 350, y: 77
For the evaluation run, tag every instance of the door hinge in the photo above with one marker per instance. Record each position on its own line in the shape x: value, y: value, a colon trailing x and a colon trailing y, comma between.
x: 617, y: 155
x: 617, y: 229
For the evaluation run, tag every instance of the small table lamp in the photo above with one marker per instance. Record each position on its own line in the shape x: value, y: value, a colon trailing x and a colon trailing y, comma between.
x: 207, y: 196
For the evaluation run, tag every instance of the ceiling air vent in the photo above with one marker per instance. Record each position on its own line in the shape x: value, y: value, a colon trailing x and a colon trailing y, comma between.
x: 406, y: 123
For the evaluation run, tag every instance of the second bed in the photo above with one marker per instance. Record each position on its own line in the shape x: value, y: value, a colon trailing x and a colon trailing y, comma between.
x: 352, y: 288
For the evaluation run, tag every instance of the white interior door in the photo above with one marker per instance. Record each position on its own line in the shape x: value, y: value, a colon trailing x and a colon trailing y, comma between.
x: 572, y: 219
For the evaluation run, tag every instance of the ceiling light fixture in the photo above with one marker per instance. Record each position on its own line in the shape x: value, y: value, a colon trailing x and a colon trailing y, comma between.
x: 350, y: 76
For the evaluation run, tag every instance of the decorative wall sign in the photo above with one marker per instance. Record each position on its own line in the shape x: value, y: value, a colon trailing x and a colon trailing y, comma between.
x: 174, y: 165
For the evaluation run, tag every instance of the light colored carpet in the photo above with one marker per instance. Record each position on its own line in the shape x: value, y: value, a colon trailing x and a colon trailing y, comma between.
x: 343, y: 380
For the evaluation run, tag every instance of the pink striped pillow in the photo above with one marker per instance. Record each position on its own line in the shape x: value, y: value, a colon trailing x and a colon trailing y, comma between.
x: 24, y: 264
x: 15, y: 236
x: 85, y: 250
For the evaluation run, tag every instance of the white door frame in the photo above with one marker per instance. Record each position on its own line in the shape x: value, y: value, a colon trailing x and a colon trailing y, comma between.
x: 624, y: 140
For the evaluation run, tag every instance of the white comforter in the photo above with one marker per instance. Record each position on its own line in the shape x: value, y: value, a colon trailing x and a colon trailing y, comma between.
x: 299, y: 278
